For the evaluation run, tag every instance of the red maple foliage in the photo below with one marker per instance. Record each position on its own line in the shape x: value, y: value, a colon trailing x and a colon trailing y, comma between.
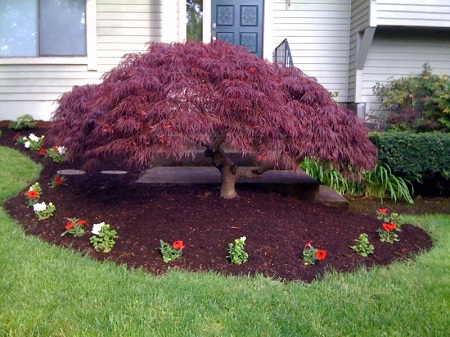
x: 178, y: 97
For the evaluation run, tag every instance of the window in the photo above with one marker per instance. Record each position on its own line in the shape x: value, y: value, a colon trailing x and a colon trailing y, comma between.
x: 42, y: 28
x: 194, y: 22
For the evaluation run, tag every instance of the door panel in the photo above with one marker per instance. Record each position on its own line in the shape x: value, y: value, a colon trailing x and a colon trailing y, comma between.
x: 239, y: 23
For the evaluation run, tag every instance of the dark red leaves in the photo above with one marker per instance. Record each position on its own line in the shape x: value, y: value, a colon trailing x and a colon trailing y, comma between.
x: 176, y: 97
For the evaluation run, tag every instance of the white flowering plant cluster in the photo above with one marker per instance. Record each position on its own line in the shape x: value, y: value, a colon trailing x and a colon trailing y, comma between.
x: 103, y: 238
x: 44, y: 211
x: 56, y: 153
x: 31, y: 142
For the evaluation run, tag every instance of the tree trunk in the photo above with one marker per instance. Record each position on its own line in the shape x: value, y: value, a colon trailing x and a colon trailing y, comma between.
x: 228, y: 190
x: 229, y: 171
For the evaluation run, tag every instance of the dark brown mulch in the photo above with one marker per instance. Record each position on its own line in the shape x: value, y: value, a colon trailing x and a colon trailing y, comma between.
x: 276, y: 226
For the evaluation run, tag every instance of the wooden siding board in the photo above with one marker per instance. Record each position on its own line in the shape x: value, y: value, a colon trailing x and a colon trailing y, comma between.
x: 414, y: 13
x: 318, y: 34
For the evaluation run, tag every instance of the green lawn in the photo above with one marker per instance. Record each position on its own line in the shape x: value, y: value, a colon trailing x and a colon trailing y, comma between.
x: 49, y: 291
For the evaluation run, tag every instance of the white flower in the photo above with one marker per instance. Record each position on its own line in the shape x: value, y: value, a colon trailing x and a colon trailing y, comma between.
x: 33, y: 137
x: 27, y: 144
x: 243, y: 238
x: 97, y: 227
x: 61, y: 150
x: 39, y: 207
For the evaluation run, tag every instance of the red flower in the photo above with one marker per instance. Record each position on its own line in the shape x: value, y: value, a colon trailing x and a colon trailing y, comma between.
x: 178, y: 244
x: 389, y: 226
x: 42, y: 152
x: 55, y: 149
x: 32, y: 194
x: 82, y: 222
x: 321, y: 254
x: 57, y: 180
x: 383, y: 210
x: 69, y: 225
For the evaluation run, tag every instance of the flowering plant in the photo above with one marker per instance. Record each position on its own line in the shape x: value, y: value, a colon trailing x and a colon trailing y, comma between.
x: 103, y: 238
x: 236, y: 252
x: 386, y: 234
x: 57, y: 180
x: 311, y: 254
x: 384, y: 215
x: 33, y: 194
x: 31, y: 142
x: 44, y: 211
x: 56, y: 153
x: 363, y: 247
x: 74, y: 226
x: 172, y: 251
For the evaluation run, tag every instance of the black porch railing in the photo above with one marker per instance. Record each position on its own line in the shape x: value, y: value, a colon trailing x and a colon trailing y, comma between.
x: 282, y: 55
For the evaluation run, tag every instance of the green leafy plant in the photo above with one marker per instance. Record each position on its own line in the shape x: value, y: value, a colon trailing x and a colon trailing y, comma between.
x: 172, y: 251
x: 57, y: 180
x: 311, y: 254
x: 419, y: 103
x: 103, y: 238
x: 44, y: 211
x: 22, y: 122
x: 32, y: 142
x: 236, y: 252
x: 75, y: 227
x: 380, y: 182
x: 33, y: 194
x: 362, y: 246
x: 329, y: 176
x: 56, y: 153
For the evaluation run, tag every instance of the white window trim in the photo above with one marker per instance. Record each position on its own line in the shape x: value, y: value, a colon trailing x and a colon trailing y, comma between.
x: 91, y: 46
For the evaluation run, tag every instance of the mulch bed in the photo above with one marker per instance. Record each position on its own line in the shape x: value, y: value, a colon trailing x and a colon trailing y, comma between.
x: 276, y: 226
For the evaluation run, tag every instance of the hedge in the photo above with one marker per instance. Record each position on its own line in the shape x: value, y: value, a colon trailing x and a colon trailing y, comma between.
x: 414, y: 156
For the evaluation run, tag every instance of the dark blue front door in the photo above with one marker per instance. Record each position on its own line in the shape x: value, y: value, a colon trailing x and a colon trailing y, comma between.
x: 239, y: 22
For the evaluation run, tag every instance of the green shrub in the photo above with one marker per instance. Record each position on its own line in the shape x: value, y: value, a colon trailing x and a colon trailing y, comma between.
x: 419, y: 103
x: 22, y: 122
x: 414, y: 156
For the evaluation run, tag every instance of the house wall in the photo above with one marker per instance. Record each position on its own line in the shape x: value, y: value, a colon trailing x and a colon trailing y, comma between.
x: 31, y: 85
x: 318, y: 34
x: 360, y: 20
x: 396, y: 52
x: 419, y: 13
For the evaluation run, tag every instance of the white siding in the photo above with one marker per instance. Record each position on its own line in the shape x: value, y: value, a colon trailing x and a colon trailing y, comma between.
x: 398, y: 53
x: 360, y: 19
x: 318, y: 35
x: 419, y: 13
x: 32, y: 86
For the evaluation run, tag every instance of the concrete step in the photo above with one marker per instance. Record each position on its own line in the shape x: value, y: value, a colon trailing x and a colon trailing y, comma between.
x: 300, y: 185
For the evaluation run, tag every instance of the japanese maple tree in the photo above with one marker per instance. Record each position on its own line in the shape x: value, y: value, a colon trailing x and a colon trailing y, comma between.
x: 177, y: 98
